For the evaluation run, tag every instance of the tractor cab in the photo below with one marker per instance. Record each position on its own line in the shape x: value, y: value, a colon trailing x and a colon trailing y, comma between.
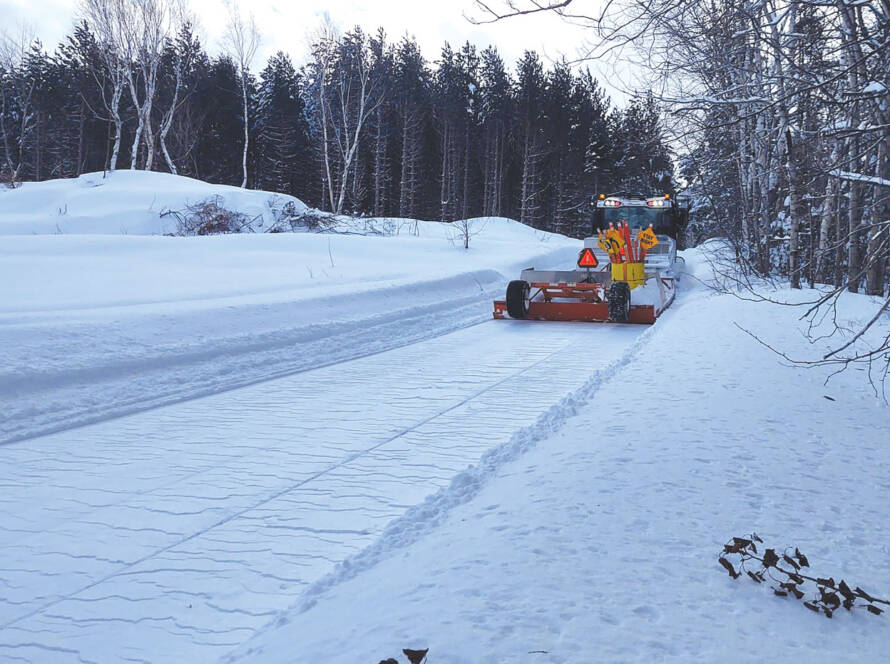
x: 666, y: 215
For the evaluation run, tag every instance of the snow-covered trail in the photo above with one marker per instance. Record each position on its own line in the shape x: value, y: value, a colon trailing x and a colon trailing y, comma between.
x: 116, y: 351
x: 173, y: 534
x: 599, y: 543
x: 73, y: 370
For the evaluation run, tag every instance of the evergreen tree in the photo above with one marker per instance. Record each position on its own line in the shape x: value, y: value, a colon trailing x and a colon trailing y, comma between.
x: 530, y: 137
x: 644, y: 159
x: 601, y: 153
x: 218, y: 98
x: 86, y: 134
x: 495, y: 113
x: 381, y: 124
x: 282, y: 132
x: 559, y: 116
x: 449, y: 111
x: 411, y: 98
x: 469, y: 121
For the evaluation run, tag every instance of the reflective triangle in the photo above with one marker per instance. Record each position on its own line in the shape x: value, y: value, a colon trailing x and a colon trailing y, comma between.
x: 587, y: 259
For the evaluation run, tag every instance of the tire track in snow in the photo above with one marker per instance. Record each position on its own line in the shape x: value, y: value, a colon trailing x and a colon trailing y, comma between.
x: 251, y: 546
x: 261, y: 362
x: 419, y: 520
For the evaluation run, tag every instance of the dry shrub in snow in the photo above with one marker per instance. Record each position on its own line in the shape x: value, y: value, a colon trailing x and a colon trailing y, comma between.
x: 209, y: 217
x: 415, y: 656
x: 783, y: 573
x: 7, y: 180
x: 288, y: 219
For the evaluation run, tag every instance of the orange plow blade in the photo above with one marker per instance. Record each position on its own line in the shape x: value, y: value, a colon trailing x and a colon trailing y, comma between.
x: 641, y: 314
x: 568, y: 301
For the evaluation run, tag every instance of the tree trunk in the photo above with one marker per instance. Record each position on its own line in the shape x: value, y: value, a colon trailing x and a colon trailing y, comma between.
x: 766, y: 182
x: 149, y: 140
x: 246, y: 129
x: 323, y: 104
x: 168, y: 120
x: 496, y: 172
x: 877, y: 242
x: 80, y: 127
x: 137, y: 138
x: 404, y: 209
x: 526, y: 175
x: 465, y: 198
x: 379, y: 157
x: 118, y: 123
x: 829, y: 207
x: 854, y: 221
x: 797, y: 212
x: 445, y: 190
x: 39, y: 146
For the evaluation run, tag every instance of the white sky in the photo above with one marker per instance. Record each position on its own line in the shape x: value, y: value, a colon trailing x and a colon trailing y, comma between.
x: 286, y: 25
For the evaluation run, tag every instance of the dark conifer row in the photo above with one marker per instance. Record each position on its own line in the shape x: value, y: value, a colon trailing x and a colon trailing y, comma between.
x: 461, y: 137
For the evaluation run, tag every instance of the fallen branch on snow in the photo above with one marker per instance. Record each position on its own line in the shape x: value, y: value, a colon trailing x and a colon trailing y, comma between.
x: 789, y: 580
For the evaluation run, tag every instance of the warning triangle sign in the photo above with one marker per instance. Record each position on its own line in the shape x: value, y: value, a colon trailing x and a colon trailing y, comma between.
x: 586, y: 258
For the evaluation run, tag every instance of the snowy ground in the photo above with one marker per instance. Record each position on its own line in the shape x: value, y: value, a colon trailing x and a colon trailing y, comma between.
x: 326, y: 451
x: 184, y: 529
x: 94, y: 326
x: 599, y: 542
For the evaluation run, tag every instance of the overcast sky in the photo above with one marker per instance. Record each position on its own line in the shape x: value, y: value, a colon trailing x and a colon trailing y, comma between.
x: 285, y: 25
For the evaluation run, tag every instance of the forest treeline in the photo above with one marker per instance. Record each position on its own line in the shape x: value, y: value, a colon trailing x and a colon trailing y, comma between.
x: 366, y: 126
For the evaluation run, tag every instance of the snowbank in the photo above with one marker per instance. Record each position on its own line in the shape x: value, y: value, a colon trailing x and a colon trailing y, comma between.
x: 79, y: 272
x: 122, y: 203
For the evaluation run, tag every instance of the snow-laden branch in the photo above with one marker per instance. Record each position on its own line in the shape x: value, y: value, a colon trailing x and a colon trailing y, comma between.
x: 859, y: 177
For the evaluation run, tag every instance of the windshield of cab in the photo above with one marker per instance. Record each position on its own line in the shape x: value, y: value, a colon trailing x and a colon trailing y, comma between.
x: 637, y: 216
x: 662, y: 219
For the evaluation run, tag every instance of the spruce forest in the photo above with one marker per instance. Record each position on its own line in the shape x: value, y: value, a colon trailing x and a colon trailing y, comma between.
x: 367, y: 126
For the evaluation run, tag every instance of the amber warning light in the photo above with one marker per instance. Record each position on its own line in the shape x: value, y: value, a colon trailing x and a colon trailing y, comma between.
x: 587, y: 259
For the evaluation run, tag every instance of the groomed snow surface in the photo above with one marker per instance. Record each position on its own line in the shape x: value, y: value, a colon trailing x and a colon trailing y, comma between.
x: 96, y: 325
x: 319, y: 448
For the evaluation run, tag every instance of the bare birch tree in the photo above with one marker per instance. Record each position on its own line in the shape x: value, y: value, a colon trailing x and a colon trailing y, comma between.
x: 349, y: 91
x: 182, y: 53
x: 242, y: 39
x: 148, y: 24
x: 134, y: 34
x: 106, y: 20
x: 18, y: 93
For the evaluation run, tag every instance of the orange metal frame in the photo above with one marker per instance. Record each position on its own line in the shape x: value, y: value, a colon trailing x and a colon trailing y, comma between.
x: 586, y: 303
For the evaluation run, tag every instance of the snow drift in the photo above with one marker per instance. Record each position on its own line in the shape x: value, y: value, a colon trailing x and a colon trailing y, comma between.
x: 124, y: 203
